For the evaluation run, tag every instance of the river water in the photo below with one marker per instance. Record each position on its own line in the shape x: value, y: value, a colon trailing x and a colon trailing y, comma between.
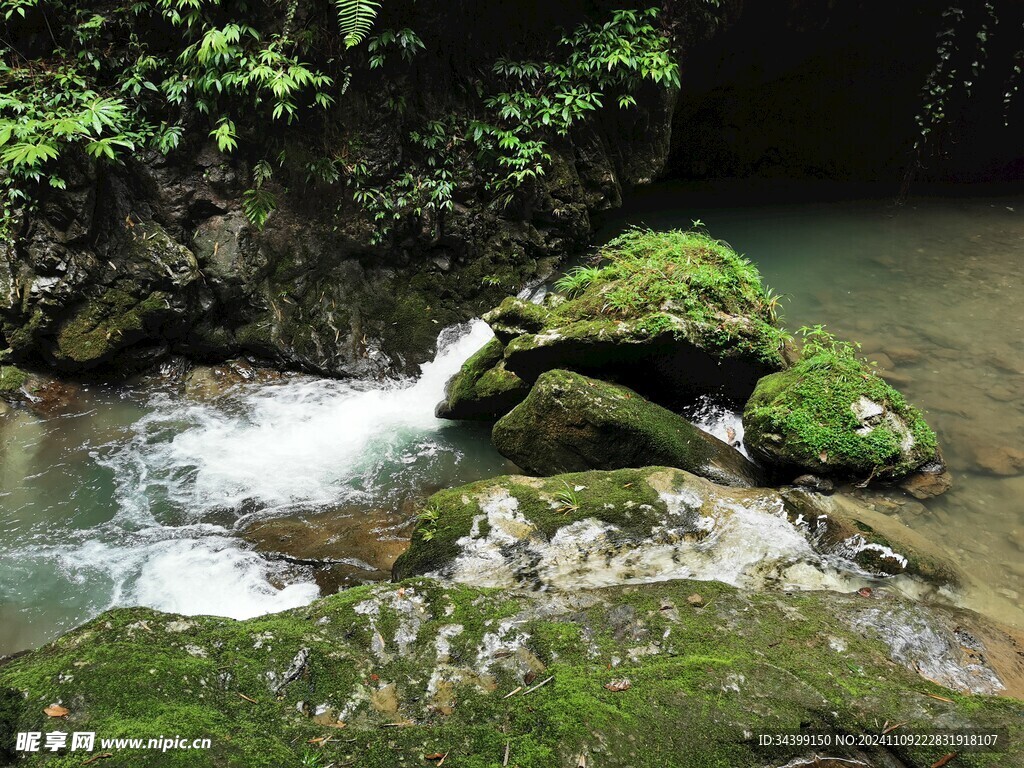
x: 138, y: 495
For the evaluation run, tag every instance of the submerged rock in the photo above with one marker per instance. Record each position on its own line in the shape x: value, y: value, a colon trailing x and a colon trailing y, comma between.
x: 831, y: 415
x: 208, y: 382
x: 594, y: 529
x: 388, y: 674
x: 40, y: 392
x: 483, y: 389
x: 570, y: 423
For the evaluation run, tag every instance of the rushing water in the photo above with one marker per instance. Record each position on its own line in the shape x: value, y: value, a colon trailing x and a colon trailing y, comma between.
x: 131, y: 496
x: 141, y: 495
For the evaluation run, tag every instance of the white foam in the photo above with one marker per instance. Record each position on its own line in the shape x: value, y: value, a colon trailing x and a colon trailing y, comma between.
x: 719, y: 421
x: 297, y: 442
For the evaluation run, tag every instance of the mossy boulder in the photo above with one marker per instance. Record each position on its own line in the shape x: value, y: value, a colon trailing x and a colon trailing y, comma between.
x: 483, y: 389
x: 392, y: 674
x: 12, y: 379
x: 830, y: 414
x: 673, y: 314
x: 571, y: 423
x: 597, y: 528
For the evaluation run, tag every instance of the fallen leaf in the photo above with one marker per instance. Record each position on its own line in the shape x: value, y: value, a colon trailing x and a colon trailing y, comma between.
x: 940, y: 698
x: 100, y: 756
x: 944, y: 760
x: 619, y: 685
x: 248, y: 698
x: 56, y: 710
x: 695, y: 600
x: 435, y: 756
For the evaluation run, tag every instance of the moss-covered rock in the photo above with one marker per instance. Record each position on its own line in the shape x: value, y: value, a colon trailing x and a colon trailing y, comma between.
x: 832, y: 415
x: 514, y: 317
x: 571, y: 423
x: 392, y: 674
x: 674, y: 311
x: 483, y: 389
x: 643, y: 525
x: 12, y: 379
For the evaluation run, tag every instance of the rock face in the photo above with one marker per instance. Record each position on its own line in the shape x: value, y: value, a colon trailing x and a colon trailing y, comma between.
x: 75, y: 304
x: 593, y: 529
x: 484, y: 389
x: 671, y: 314
x: 388, y: 674
x: 128, y: 264
x: 571, y: 423
x: 830, y: 415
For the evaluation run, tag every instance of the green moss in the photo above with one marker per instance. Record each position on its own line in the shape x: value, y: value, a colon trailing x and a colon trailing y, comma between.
x: 622, y: 498
x: 483, y: 389
x: 570, y: 422
x: 12, y: 379
x: 700, y: 681
x: 661, y: 278
x: 100, y: 326
x: 803, y: 417
x: 514, y: 317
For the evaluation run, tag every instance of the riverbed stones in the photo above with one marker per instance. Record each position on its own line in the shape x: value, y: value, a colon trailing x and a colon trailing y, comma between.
x: 593, y: 529
x: 831, y: 415
x: 392, y: 673
x: 483, y: 389
x: 571, y: 423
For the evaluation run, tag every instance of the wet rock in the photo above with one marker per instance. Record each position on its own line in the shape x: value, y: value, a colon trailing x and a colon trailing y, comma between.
x: 83, y: 311
x: 484, y: 389
x: 343, y: 547
x: 830, y: 415
x: 903, y: 355
x: 593, y: 529
x: 571, y: 423
x: 446, y: 661
x: 931, y: 480
x: 208, y: 382
x: 814, y: 483
x: 842, y: 526
x: 897, y: 378
x: 515, y: 317
x: 882, y: 360
x: 41, y: 392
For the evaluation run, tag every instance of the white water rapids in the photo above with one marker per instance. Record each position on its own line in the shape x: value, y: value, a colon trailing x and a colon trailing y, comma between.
x: 186, y: 475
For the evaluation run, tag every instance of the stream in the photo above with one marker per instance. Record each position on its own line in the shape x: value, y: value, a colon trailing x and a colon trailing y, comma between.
x: 142, y: 495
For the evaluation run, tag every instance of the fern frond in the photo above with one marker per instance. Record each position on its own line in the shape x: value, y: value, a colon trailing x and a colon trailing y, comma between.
x: 258, y: 204
x: 355, y: 17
